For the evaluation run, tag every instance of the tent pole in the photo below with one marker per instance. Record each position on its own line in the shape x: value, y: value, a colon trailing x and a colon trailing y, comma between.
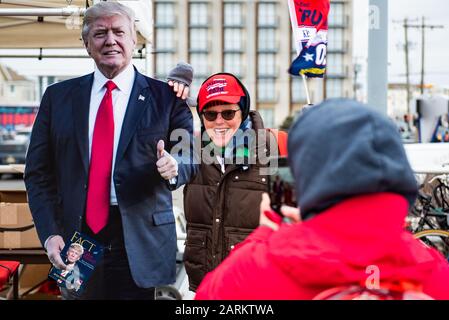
x: 42, y: 12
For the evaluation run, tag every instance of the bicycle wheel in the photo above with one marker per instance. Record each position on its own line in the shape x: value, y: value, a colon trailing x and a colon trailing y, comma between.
x: 419, y: 219
x: 438, y: 239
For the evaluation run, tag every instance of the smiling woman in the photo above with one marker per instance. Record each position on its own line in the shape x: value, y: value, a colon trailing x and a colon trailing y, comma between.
x: 222, y: 122
x: 222, y: 203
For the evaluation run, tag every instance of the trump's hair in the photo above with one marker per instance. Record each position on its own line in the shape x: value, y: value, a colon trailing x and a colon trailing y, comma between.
x: 106, y: 9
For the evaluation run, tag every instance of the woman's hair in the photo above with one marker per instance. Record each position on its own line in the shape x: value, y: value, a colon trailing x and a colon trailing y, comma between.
x: 106, y: 9
x: 215, y: 103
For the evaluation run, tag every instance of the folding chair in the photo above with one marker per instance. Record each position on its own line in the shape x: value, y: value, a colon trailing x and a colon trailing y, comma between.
x: 8, y: 271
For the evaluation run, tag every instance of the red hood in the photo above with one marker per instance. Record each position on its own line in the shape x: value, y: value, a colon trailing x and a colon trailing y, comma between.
x: 339, y: 245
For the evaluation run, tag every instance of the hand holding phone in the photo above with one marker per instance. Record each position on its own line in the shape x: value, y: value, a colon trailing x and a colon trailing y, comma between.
x: 272, y: 219
x: 273, y: 216
x: 281, y: 186
x: 267, y: 216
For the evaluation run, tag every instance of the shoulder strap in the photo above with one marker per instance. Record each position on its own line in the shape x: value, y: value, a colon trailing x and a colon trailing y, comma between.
x: 281, y: 138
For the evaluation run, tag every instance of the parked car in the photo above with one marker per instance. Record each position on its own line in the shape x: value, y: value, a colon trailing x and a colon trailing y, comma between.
x: 14, y: 145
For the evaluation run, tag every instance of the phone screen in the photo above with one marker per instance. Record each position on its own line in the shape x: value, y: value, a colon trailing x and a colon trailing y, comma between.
x: 281, y: 186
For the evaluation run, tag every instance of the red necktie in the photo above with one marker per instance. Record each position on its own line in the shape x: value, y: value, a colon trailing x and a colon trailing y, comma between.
x: 98, y: 193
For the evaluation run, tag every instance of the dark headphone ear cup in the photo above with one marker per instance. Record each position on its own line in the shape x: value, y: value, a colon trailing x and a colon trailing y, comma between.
x: 246, y: 99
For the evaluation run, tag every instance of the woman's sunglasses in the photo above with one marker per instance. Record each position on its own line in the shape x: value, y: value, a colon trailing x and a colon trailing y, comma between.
x: 226, y: 115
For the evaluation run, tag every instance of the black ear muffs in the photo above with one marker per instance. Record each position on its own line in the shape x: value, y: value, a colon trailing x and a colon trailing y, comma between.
x: 244, y: 103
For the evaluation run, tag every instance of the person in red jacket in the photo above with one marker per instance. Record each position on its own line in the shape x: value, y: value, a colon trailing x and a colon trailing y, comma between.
x: 354, y: 186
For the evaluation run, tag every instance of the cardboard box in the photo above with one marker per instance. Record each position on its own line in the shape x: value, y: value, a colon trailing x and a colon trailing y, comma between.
x: 17, y: 229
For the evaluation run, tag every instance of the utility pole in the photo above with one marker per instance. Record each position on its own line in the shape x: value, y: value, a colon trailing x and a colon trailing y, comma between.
x: 406, y: 25
x: 423, y: 28
x: 407, y: 64
x: 423, y: 42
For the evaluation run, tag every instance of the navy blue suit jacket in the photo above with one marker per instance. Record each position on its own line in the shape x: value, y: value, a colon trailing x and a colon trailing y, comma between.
x: 57, y: 164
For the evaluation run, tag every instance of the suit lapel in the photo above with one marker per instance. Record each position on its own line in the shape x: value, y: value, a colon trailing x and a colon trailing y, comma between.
x: 138, y: 102
x: 80, y: 109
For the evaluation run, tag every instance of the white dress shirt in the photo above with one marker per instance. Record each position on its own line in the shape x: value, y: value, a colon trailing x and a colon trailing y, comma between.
x: 120, y: 97
x: 221, y: 161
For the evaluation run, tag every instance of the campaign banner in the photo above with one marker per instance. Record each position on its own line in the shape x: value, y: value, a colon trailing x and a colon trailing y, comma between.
x: 310, y: 28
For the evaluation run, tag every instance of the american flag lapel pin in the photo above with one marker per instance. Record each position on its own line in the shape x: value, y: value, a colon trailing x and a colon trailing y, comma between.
x: 141, y: 97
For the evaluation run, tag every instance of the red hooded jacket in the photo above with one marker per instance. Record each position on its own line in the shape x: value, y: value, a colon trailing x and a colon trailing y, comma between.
x: 340, y: 246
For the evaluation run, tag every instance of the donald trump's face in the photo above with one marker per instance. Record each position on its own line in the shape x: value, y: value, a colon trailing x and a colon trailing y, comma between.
x: 111, y: 42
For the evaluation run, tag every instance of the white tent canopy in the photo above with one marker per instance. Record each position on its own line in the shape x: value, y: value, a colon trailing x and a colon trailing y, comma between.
x: 28, y: 30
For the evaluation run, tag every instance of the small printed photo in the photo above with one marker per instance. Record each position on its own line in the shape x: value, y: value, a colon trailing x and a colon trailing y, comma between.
x: 80, y: 261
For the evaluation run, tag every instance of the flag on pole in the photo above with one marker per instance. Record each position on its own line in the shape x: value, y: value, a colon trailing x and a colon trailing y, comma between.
x: 309, y: 24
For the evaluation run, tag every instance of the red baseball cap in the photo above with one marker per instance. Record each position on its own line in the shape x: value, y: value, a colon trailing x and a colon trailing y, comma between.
x: 220, y: 87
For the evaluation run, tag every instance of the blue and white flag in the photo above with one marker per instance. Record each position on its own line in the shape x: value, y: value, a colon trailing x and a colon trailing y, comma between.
x: 310, y: 27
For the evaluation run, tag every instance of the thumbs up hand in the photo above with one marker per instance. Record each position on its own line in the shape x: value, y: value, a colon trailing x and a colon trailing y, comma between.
x: 166, y: 165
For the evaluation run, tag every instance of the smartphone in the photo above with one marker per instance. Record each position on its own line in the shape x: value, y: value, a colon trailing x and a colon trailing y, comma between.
x: 281, y: 185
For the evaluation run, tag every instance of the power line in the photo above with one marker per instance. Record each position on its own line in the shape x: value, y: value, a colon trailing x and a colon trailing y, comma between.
x: 440, y: 72
x: 423, y: 26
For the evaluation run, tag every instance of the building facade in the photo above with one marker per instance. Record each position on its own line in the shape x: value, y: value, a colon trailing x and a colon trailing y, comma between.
x: 397, y: 97
x: 14, y: 88
x: 252, y: 39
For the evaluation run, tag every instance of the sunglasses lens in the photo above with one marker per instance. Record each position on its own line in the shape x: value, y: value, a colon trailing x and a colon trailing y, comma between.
x: 228, y: 114
x: 210, y: 115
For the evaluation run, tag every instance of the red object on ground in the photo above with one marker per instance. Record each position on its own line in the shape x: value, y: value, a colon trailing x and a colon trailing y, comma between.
x: 50, y: 287
x: 7, y: 270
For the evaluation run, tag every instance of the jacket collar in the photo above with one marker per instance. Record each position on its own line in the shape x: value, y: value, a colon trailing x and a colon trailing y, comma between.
x: 139, y: 100
x: 80, y: 111
x: 256, y: 124
x: 124, y: 80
